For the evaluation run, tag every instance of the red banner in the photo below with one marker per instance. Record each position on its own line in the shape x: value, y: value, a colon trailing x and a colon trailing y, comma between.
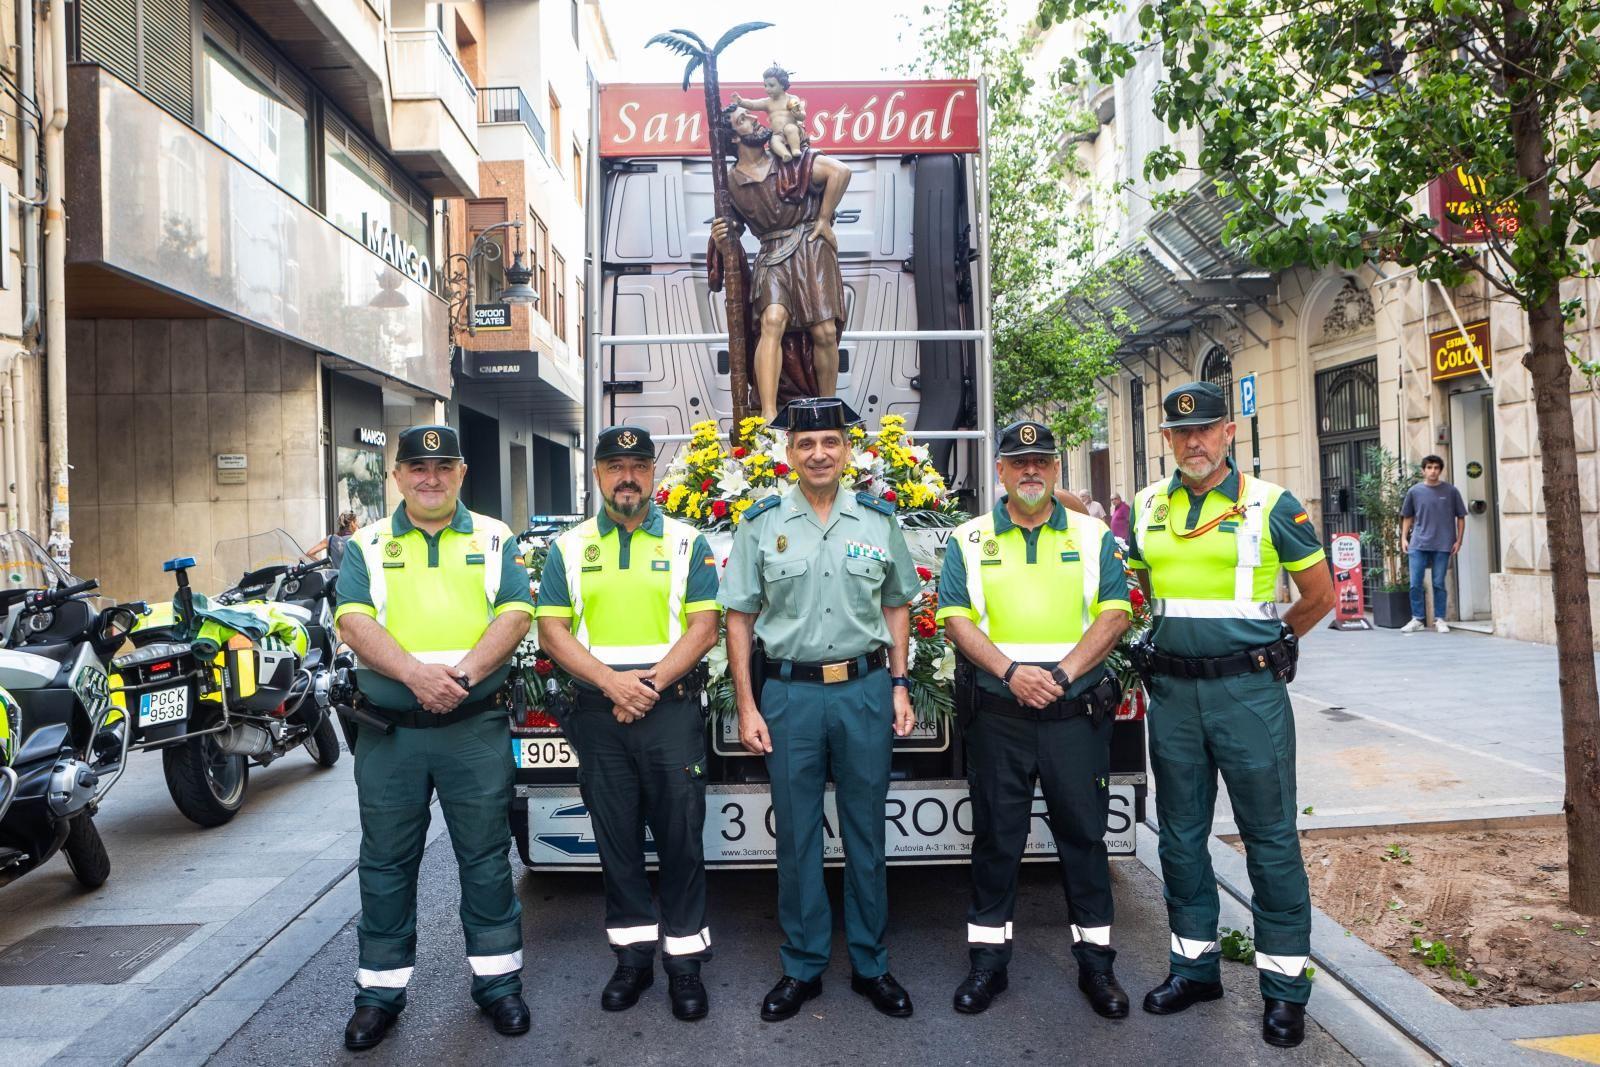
x: 1456, y: 200
x: 1350, y: 606
x: 844, y: 118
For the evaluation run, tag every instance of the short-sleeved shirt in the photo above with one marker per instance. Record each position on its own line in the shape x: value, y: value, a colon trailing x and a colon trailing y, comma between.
x: 1111, y: 591
x: 436, y: 599
x: 638, y: 553
x: 1435, y: 509
x: 1205, y: 567
x: 819, y: 588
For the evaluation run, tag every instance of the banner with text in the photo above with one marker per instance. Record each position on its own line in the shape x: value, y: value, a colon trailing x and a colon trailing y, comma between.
x: 1350, y: 605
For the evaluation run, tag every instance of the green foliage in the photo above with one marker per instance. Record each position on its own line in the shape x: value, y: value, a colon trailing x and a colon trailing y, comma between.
x: 1397, y: 852
x: 1440, y: 956
x: 1044, y: 361
x: 1380, y: 493
x: 1237, y: 945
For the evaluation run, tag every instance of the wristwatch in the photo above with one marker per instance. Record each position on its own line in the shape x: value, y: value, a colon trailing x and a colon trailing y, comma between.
x: 1006, y: 681
x: 1060, y: 676
x: 901, y: 680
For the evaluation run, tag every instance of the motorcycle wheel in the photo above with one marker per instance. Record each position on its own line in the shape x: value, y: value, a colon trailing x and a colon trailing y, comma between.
x: 86, y: 853
x: 206, y: 783
x: 322, y: 744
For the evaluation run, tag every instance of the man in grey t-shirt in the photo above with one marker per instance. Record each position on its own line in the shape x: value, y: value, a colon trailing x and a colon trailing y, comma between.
x: 1432, y: 520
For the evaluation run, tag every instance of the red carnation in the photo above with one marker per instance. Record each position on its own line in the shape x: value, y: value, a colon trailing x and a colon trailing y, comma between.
x: 926, y: 627
x: 889, y: 496
x: 542, y: 666
x: 661, y: 496
x: 1136, y: 596
x: 925, y: 574
x: 705, y: 486
x: 739, y: 453
x: 781, y: 469
x: 719, y: 508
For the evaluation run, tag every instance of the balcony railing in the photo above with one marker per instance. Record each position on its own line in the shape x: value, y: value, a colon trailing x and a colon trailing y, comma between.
x: 424, y: 68
x: 507, y: 103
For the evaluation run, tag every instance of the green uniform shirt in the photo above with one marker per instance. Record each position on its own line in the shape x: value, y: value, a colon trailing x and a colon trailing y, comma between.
x: 436, y: 604
x: 819, y: 589
x: 1047, y: 557
x: 1204, y: 568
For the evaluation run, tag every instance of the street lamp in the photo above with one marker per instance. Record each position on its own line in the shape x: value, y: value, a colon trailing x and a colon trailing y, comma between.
x: 517, y: 289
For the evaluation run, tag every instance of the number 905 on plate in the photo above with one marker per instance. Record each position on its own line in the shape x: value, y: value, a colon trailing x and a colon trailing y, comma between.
x: 542, y: 753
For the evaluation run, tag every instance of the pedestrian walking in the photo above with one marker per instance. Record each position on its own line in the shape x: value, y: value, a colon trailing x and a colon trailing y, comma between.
x: 1092, y: 506
x: 823, y: 580
x: 1433, y: 519
x: 433, y: 600
x: 1208, y: 545
x: 1119, y: 517
x: 334, y: 544
x: 628, y: 607
x: 1034, y: 596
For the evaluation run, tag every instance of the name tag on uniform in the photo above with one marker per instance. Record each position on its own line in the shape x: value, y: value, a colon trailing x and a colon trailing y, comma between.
x: 389, y: 565
x: 1250, y: 548
x: 1228, y: 527
x: 859, y: 550
x: 1153, y: 529
x: 475, y: 557
x: 1069, y: 557
x: 596, y: 567
x: 660, y: 565
x: 990, y: 562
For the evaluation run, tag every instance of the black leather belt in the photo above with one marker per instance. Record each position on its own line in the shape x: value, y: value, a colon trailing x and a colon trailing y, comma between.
x: 423, y: 720
x: 828, y: 673
x: 1102, y: 699
x: 1278, y: 657
x: 689, y: 687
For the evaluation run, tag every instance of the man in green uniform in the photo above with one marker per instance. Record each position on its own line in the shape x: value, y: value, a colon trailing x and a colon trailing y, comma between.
x: 823, y: 578
x: 433, y: 600
x: 1035, y: 596
x: 628, y: 607
x: 1207, y: 545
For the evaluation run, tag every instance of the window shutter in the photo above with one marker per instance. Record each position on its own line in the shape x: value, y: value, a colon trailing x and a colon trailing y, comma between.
x: 147, y: 43
x: 108, y: 35
x: 481, y: 214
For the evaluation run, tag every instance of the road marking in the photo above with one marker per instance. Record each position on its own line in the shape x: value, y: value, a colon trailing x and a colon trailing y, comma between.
x: 1424, y: 735
x: 1583, y: 1047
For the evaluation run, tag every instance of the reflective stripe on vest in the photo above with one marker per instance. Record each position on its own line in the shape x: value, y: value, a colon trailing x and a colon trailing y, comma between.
x: 1253, y: 531
x: 678, y: 538
x: 1087, y: 536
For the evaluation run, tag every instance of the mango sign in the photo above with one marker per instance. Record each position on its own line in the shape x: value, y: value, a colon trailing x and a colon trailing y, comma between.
x: 843, y: 118
x: 1452, y: 356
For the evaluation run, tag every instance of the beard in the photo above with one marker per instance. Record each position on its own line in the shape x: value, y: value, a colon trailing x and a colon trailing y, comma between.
x: 758, y: 139
x: 627, y: 511
x: 1032, y: 497
x: 1200, y: 468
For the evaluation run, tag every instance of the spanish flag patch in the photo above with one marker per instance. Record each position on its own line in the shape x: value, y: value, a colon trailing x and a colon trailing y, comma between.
x: 1302, y: 517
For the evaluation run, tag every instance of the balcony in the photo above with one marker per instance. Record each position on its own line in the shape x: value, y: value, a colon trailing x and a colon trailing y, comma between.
x: 435, y: 127
x: 509, y: 104
x: 341, y: 42
x: 510, y: 131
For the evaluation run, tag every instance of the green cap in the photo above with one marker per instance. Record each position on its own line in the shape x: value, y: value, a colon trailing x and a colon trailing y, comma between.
x: 1026, y: 438
x: 624, y: 441
x: 428, y: 442
x: 1195, y: 404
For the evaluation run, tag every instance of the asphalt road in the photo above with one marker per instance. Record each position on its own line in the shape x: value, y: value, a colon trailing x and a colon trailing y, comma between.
x: 1042, y: 1018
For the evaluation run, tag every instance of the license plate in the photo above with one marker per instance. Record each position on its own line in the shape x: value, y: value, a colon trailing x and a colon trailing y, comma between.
x: 164, y: 706
x: 539, y: 753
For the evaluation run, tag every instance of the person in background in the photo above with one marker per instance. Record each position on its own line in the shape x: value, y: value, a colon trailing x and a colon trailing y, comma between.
x: 1432, y: 520
x: 1119, y: 517
x: 1091, y: 505
x: 334, y: 543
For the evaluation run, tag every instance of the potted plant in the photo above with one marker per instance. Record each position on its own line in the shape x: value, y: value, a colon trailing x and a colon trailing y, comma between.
x: 1380, y: 492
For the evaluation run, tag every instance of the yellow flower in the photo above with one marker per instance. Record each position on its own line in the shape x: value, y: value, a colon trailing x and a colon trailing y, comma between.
x: 742, y: 506
x: 676, y: 494
x: 794, y: 476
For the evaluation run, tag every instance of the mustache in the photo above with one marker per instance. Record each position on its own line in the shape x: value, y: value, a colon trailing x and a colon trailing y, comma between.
x: 757, y: 139
x: 627, y: 485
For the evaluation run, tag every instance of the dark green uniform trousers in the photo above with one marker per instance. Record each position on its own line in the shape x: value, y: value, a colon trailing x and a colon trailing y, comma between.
x: 650, y: 772
x: 846, y: 728
x: 470, y: 766
x: 1242, y: 726
x: 1071, y: 759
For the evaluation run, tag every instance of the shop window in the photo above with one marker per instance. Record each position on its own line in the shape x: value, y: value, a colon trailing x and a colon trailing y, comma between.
x: 360, y: 182
x: 246, y: 116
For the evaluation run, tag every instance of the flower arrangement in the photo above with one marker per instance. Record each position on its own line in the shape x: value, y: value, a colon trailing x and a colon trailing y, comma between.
x: 1121, y: 658
x: 713, y: 485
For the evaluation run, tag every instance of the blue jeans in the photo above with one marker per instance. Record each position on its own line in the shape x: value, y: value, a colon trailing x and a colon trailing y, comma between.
x: 1423, y: 560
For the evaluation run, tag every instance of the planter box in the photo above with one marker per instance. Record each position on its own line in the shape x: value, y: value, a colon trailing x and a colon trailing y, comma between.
x: 1393, y: 609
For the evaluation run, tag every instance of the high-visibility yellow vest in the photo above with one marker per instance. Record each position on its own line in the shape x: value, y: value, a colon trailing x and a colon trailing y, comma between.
x: 628, y: 616
x: 1230, y: 572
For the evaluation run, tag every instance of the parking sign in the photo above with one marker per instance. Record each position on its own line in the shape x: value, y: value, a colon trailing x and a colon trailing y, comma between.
x: 1247, y: 396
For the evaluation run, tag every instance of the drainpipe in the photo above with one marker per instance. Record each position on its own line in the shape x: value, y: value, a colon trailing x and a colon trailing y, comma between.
x: 55, y: 266
x: 21, y: 453
x: 30, y: 169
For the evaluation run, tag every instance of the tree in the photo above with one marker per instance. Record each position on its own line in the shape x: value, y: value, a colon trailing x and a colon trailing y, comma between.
x: 735, y: 300
x: 1329, y: 119
x: 1044, y: 360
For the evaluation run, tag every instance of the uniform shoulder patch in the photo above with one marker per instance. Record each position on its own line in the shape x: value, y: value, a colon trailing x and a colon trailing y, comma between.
x: 876, y: 503
x: 761, y: 507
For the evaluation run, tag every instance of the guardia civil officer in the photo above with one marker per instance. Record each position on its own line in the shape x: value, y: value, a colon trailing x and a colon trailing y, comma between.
x: 1208, y: 545
x: 823, y: 579
x: 433, y: 599
x: 628, y: 607
x: 1035, y: 596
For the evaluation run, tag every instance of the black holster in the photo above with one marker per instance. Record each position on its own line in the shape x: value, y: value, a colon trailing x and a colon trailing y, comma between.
x: 758, y: 669
x: 966, y: 692
x: 1284, y: 658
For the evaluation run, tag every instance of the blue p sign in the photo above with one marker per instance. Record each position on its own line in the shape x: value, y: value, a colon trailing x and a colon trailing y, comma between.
x: 1247, y: 396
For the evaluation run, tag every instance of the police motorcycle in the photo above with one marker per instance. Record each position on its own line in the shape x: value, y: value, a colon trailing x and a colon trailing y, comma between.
x: 63, y: 742
x: 217, y: 685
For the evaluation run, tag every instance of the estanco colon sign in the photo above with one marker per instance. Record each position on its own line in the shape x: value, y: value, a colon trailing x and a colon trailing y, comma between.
x: 845, y: 118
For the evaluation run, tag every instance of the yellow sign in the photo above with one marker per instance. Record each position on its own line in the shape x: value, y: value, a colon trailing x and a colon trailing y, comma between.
x: 1454, y: 356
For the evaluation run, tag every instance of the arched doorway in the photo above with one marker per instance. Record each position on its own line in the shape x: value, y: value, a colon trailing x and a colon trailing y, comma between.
x: 1347, y: 426
x: 1217, y: 368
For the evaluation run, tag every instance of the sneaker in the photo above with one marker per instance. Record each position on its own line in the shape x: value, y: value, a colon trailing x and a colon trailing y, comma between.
x: 1440, y: 626
x: 1411, y: 627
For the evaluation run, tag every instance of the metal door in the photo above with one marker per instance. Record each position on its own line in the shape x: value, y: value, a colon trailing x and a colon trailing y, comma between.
x: 1347, y: 426
x: 1472, y: 450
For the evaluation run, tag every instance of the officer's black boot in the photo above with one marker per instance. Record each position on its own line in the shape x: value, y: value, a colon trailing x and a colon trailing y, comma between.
x: 978, y: 991
x: 1283, y: 1024
x: 366, y: 1028
x: 1098, y: 981
x: 787, y: 996
x: 509, y: 1015
x: 622, y: 992
x: 1178, y: 993
x: 887, y: 995
x: 689, y: 1000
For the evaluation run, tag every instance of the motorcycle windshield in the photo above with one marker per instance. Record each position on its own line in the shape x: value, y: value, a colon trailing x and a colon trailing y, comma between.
x: 24, y: 564
x: 240, y: 556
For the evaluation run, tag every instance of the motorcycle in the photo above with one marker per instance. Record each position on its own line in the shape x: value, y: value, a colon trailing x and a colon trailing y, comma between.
x: 63, y: 740
x: 239, y: 680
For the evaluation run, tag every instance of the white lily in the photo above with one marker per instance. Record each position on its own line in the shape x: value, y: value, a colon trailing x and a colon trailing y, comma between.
x: 946, y: 671
x: 717, y: 661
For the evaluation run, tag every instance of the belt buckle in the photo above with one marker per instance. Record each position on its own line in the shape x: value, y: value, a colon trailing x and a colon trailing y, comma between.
x: 835, y: 672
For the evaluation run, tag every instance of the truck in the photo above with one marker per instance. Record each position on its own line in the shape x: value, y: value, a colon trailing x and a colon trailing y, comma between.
x: 913, y: 259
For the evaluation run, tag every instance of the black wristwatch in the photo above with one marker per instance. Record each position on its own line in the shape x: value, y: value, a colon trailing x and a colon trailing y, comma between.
x: 901, y: 680
x: 1060, y: 676
x: 1006, y: 681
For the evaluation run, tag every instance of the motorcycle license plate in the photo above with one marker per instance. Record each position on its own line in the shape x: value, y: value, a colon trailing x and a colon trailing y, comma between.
x: 540, y: 753
x: 164, y: 706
